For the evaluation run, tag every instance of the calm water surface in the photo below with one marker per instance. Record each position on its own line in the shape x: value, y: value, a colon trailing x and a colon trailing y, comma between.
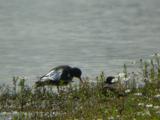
x: 95, y: 35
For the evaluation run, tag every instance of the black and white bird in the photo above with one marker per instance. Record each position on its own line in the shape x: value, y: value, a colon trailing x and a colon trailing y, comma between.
x: 110, y: 80
x: 60, y: 75
x: 110, y: 83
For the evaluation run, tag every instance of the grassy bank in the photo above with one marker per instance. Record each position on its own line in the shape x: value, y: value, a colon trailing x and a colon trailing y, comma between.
x: 90, y: 101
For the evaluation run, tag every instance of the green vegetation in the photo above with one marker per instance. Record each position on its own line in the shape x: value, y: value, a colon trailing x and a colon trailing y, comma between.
x: 90, y: 101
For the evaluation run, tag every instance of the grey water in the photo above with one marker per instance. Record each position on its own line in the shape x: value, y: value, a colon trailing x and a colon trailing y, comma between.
x: 95, y: 35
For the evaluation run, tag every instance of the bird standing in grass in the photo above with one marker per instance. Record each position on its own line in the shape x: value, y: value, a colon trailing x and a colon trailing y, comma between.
x: 60, y: 75
x: 110, y: 83
x: 110, y: 80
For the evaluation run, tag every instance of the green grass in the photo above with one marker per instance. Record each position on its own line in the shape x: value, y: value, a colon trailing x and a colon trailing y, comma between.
x: 90, y: 101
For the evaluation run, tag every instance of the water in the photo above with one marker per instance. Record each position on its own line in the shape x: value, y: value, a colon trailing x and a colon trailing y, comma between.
x: 95, y: 35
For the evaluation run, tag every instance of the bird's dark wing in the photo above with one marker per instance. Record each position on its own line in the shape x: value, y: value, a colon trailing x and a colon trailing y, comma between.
x: 56, y: 69
x: 52, y: 75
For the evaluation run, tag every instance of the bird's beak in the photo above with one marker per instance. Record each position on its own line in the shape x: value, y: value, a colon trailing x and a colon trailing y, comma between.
x: 80, y: 79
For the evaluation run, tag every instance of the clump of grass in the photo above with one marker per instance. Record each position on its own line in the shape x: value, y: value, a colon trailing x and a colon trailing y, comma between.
x: 92, y: 100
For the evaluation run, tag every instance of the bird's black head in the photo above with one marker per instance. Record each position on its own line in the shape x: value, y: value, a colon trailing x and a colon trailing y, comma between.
x: 109, y: 79
x: 76, y: 72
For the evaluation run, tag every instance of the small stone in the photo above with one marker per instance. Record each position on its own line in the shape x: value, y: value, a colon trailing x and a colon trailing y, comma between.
x: 149, y: 105
x: 156, y: 107
x: 111, y: 118
x: 127, y: 91
x: 121, y: 75
x: 3, y: 113
x: 138, y: 94
x: 157, y: 96
x: 14, y: 112
x: 140, y: 104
